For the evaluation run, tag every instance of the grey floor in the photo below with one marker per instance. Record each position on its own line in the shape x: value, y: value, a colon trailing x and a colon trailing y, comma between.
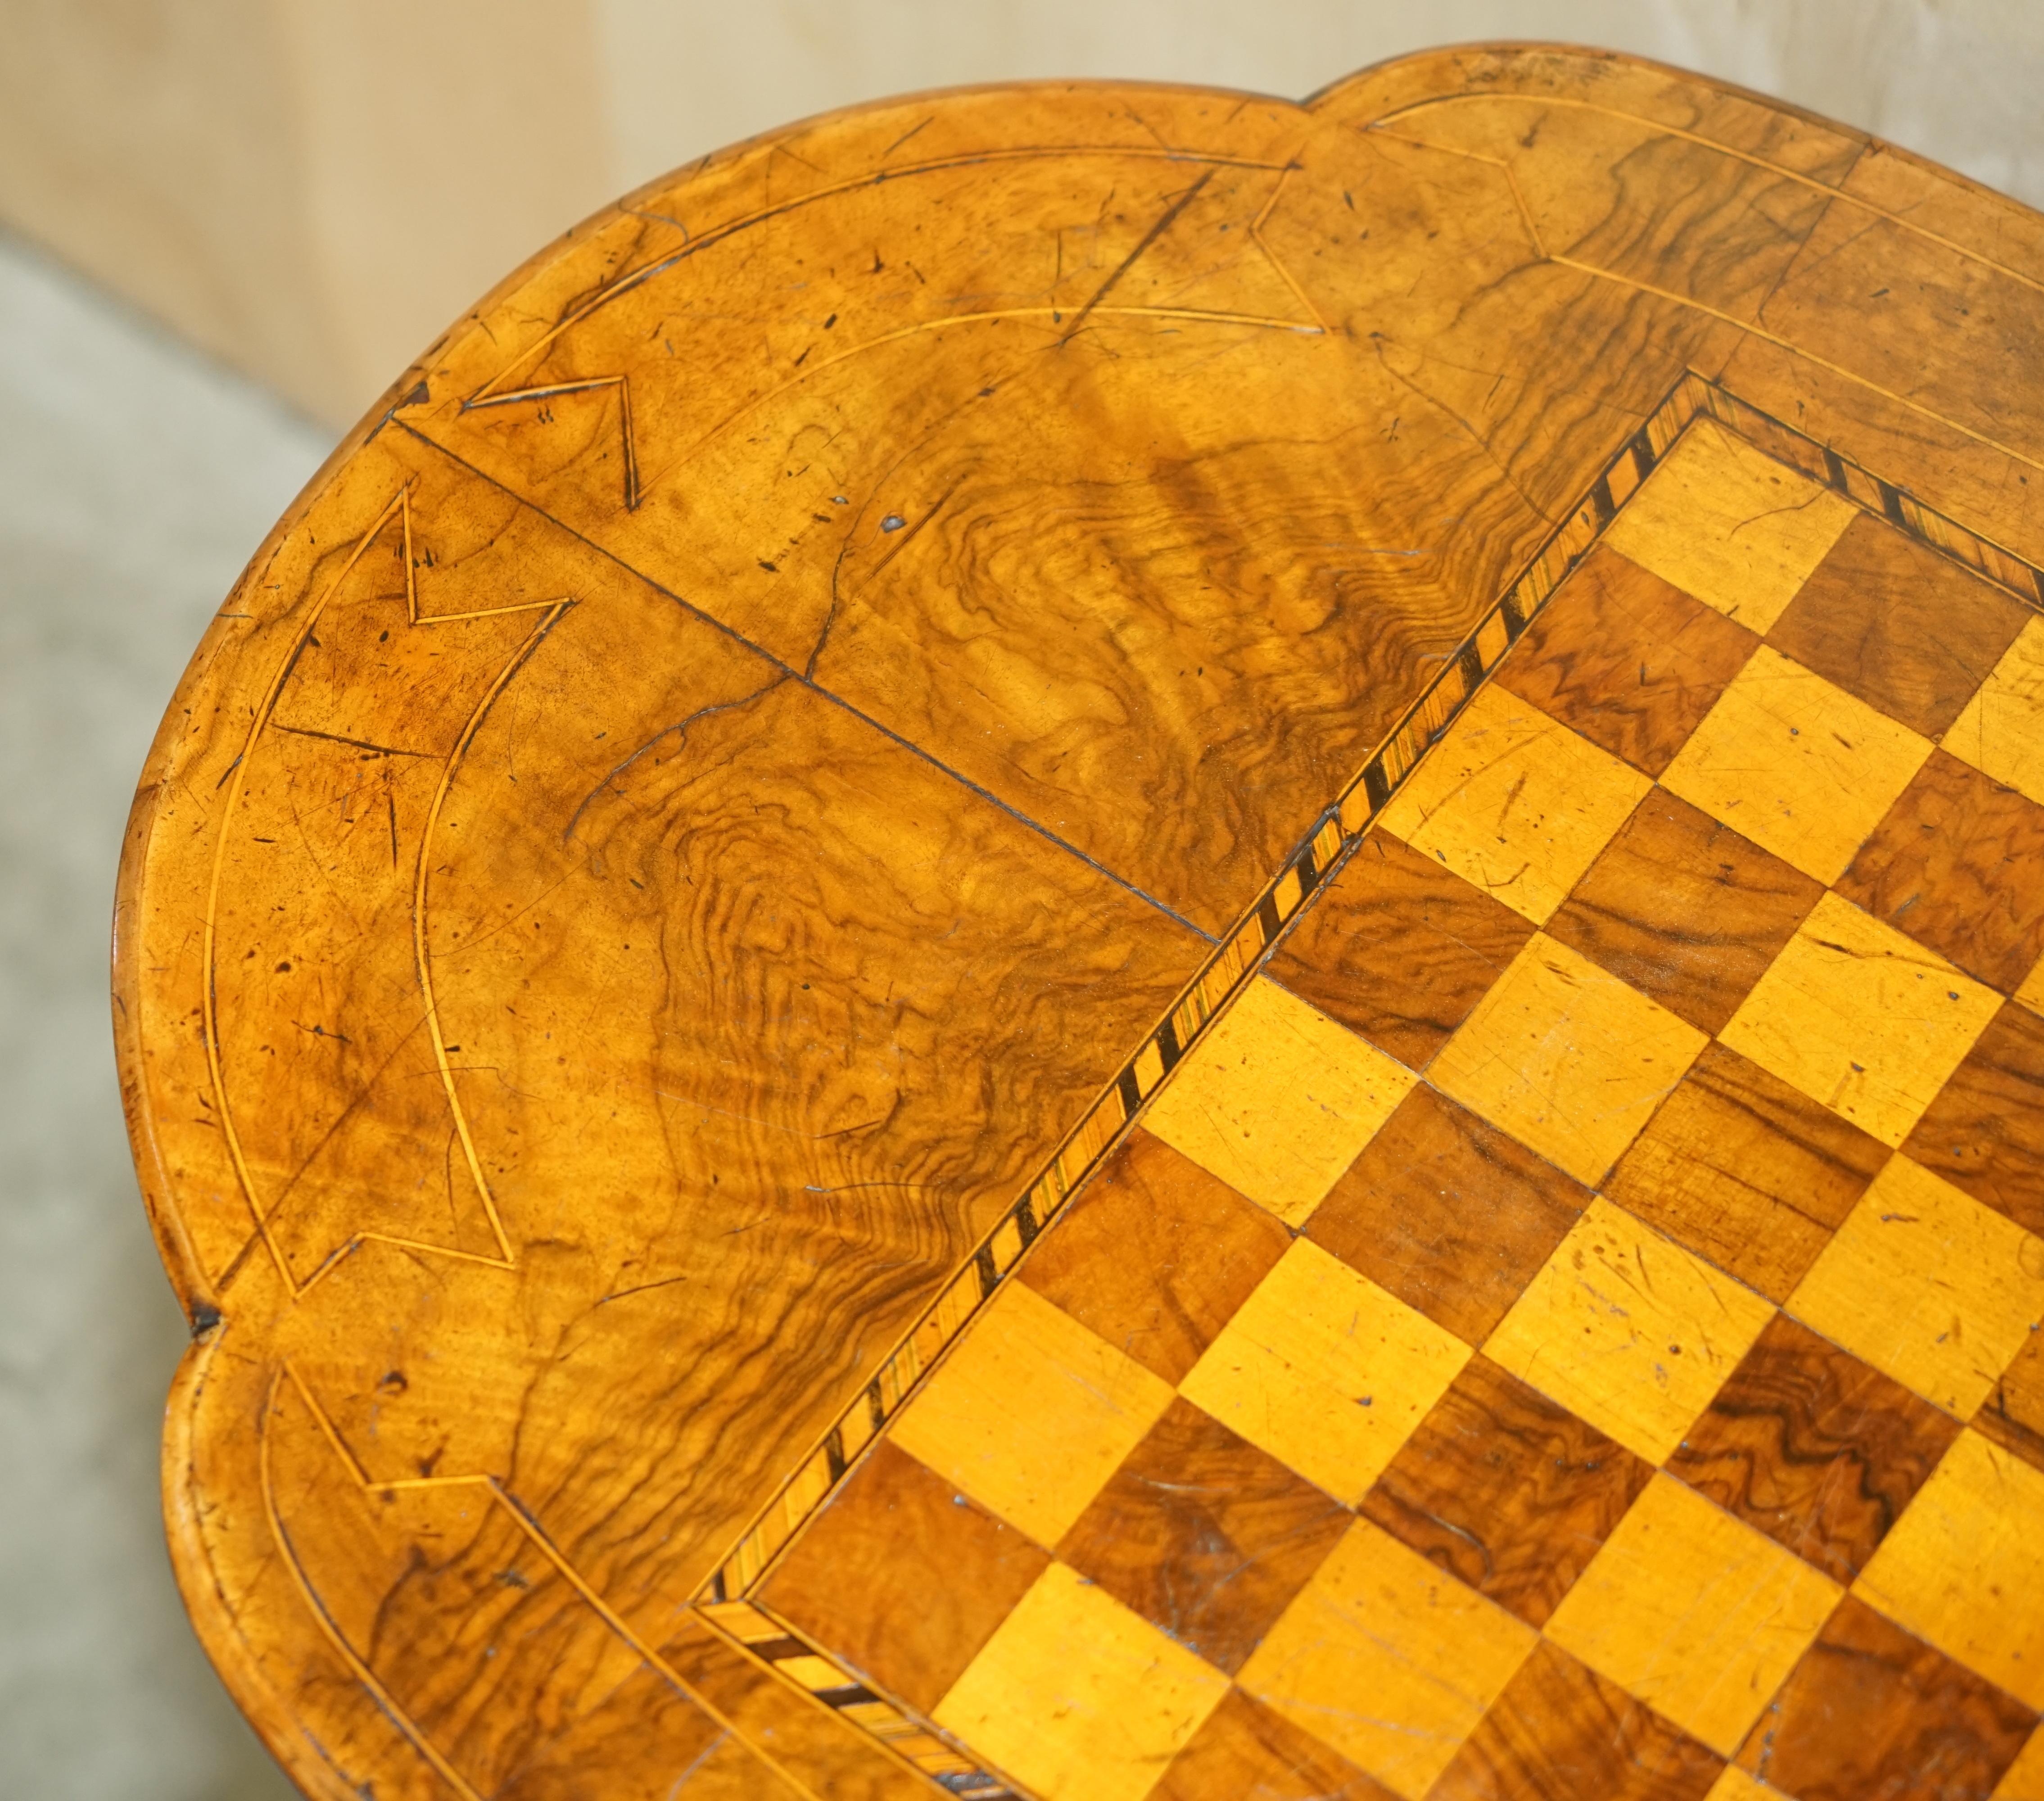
x: 135, y: 480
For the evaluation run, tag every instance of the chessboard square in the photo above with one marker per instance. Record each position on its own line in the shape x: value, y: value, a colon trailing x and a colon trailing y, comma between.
x: 1928, y: 1286
x: 1399, y: 948
x: 1031, y: 1413
x: 1077, y: 1698
x: 1247, y: 1752
x: 1155, y: 1255
x: 1870, y: 1711
x: 1625, y: 659
x: 1387, y: 1659
x: 1277, y: 1100
x: 1907, y: 631
x: 1862, y: 1018
x: 1816, y: 1449
x: 1747, y: 1172
x: 1205, y: 1536
x: 1958, y: 864
x: 1965, y: 1565
x: 903, y: 1577
x: 1629, y: 1330
x: 1326, y: 1371
x: 1796, y: 764
x: 1561, y: 1731
x: 2001, y: 731
x: 1729, y: 524
x: 1694, y: 1613
x: 1984, y: 1133
x: 2013, y: 1414
x: 1515, y: 802
x: 1506, y: 1490
x: 1685, y: 909
x: 1566, y: 1057
x: 1448, y: 1213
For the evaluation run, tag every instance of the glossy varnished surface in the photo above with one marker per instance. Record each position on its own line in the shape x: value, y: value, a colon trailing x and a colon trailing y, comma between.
x: 1608, y: 1391
x: 709, y: 799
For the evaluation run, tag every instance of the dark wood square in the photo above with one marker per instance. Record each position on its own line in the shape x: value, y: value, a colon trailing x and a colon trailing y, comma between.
x: 1450, y: 1215
x: 1872, y: 1714
x: 1156, y: 1255
x: 1984, y: 1132
x: 1507, y: 1490
x: 1246, y: 1752
x: 1685, y: 909
x: 1905, y: 629
x: 903, y: 1577
x: 1398, y: 949
x: 1626, y: 659
x: 1959, y: 864
x: 2013, y: 1414
x: 1204, y: 1535
x: 1560, y: 1732
x: 1746, y: 1171
x: 1814, y: 1448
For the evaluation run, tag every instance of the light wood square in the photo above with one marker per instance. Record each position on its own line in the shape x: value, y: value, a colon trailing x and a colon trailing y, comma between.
x: 1388, y: 1659
x: 1861, y: 1018
x: 2001, y: 731
x: 1964, y: 1567
x: 1796, y: 764
x: 1078, y: 1698
x: 1928, y: 1285
x: 1730, y: 525
x: 1325, y: 1370
x: 1031, y: 1413
x: 1277, y: 1100
x: 1515, y: 803
x: 1566, y: 1057
x: 1628, y: 1330
x: 1693, y: 1612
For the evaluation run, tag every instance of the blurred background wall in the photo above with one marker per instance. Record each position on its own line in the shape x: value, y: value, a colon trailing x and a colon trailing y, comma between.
x: 225, y: 226
x: 312, y: 189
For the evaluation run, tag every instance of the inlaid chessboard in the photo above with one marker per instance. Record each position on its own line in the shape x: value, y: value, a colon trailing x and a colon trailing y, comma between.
x: 1571, y: 1326
x: 1092, y: 940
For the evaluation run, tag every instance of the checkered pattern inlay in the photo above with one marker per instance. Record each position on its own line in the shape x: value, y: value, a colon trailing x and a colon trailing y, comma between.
x: 1573, y: 1325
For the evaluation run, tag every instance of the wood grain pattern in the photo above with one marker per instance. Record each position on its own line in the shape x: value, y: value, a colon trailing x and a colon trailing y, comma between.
x: 1508, y: 1490
x: 1984, y: 1133
x: 1819, y: 1451
x: 1205, y: 1536
x: 909, y: 1577
x: 728, y: 766
x: 1956, y: 864
x: 1399, y: 948
x: 1747, y: 1171
x: 1688, y: 911
x: 1158, y: 1257
x: 1893, y: 622
x: 1922, y: 1724
x: 1447, y: 1213
x: 1628, y: 659
x: 1246, y: 1752
x: 1560, y: 1730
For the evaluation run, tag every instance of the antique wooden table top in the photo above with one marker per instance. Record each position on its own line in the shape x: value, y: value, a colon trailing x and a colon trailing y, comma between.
x: 1105, y: 941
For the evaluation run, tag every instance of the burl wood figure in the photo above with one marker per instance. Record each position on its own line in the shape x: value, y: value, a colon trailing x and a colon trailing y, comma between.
x: 1104, y: 942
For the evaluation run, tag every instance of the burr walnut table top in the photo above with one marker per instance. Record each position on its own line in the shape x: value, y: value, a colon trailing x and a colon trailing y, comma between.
x: 1105, y: 941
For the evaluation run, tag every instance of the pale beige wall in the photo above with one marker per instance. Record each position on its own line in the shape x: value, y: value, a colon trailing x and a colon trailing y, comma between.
x: 312, y: 188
